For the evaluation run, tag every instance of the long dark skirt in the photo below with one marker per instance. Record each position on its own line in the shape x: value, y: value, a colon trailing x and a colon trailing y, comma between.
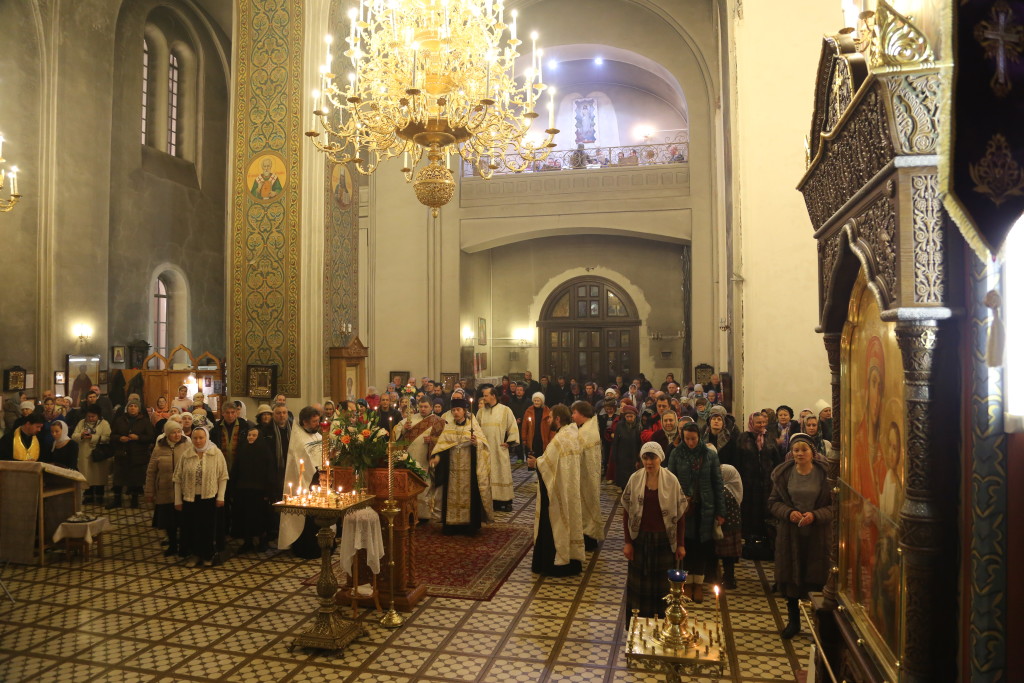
x: 794, y: 590
x: 250, y: 515
x: 544, y: 546
x: 199, y: 527
x: 700, y: 557
x: 647, y: 582
x: 167, y: 518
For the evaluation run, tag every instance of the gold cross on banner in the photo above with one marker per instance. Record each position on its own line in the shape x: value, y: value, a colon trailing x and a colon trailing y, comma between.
x: 1003, y: 40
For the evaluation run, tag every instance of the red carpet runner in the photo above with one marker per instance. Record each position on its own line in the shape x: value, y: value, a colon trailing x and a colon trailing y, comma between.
x: 467, y: 567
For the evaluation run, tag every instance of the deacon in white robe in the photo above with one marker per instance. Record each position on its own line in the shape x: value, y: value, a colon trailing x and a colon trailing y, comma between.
x: 558, y: 522
x: 500, y: 428
x: 590, y: 472
x: 421, y: 431
x: 305, y: 431
x: 461, y: 463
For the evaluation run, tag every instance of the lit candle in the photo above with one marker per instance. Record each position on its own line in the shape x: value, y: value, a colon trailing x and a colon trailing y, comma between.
x: 353, y: 15
x: 289, y: 492
x: 515, y: 13
x: 551, y: 108
x: 1, y: 149
x: 14, y: 179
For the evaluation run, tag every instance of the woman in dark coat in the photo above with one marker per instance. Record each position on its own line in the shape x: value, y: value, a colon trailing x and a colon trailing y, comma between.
x: 802, y: 502
x: 756, y: 456
x: 132, y: 436
x: 697, y: 469
x: 624, y: 458
x: 721, y: 436
x: 253, y: 475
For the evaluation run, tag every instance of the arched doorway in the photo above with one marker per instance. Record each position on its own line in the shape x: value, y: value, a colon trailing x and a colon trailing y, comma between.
x: 589, y: 329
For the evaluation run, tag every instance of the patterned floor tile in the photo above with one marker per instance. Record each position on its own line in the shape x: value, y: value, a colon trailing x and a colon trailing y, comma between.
x: 112, y: 650
x: 514, y: 671
x: 32, y: 613
x: 755, y: 666
x: 473, y: 643
x: 68, y: 672
x: 22, y: 639
x: 599, y: 610
x: 577, y: 674
x: 246, y: 641
x: 593, y: 631
x: 439, y: 618
x: 198, y: 635
x: 155, y: 629
x: 72, y: 642
x: 366, y: 677
x: 547, y: 608
x: 400, y: 660
x: 23, y: 668
x: 758, y: 642
x: 263, y: 671
x: 527, y: 647
x: 188, y: 610
x: 753, y: 620
x: 159, y: 658
x: 591, y: 654
x: 110, y: 623
x: 211, y: 665
x: 494, y: 623
x: 456, y: 667
x: 116, y: 675
x: 149, y: 605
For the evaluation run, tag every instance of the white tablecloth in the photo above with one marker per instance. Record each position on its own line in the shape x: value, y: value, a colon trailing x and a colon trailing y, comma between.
x: 84, y: 530
x: 361, y: 529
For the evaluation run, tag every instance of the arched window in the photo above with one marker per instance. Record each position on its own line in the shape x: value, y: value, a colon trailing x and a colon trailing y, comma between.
x: 160, y: 316
x: 145, y: 89
x: 589, y: 330
x: 173, y: 81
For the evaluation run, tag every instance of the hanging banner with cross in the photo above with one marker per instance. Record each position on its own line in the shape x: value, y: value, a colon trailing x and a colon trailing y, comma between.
x: 982, y: 167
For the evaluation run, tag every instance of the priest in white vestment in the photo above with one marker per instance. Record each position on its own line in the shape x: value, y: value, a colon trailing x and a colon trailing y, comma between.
x: 590, y: 472
x: 305, y: 431
x: 500, y: 428
x: 421, y: 430
x: 558, y: 522
x: 461, y: 463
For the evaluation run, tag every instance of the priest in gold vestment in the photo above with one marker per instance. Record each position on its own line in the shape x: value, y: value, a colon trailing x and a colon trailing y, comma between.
x: 461, y: 463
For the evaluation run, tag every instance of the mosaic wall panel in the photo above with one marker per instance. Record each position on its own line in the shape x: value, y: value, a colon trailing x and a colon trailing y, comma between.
x: 265, y: 257
x: 341, y: 244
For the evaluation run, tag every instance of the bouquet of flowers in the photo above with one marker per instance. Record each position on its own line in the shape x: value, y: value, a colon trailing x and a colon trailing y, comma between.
x: 409, y: 390
x: 357, y: 440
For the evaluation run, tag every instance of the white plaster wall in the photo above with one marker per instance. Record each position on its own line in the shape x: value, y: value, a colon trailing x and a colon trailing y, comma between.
x: 783, y: 358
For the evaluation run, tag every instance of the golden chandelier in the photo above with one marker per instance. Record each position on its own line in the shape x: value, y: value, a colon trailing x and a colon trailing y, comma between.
x: 425, y: 76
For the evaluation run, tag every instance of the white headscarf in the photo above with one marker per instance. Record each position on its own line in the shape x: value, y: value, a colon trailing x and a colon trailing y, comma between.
x: 208, y: 443
x: 653, y: 447
x: 63, y: 438
x: 732, y: 482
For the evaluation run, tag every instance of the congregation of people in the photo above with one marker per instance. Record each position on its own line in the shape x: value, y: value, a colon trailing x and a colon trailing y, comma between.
x: 698, y: 490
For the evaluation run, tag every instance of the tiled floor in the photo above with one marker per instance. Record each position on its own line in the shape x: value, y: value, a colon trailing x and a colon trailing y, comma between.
x: 136, y: 616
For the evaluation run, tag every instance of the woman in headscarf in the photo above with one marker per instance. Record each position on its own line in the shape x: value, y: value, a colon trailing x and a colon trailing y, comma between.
x: 786, y: 426
x: 654, y: 521
x: 700, y: 476
x: 64, y: 452
x: 801, y: 500
x: 253, y: 479
x: 703, y: 411
x: 161, y: 411
x: 90, y: 433
x: 756, y: 456
x: 132, y: 435
x: 186, y: 423
x: 169, y: 449
x: 720, y: 435
x: 824, y: 419
x: 624, y: 459
x: 730, y: 546
x: 200, y: 482
x: 536, y: 427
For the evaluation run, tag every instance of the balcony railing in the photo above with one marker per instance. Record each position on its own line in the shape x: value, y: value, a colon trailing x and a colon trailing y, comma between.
x: 648, y: 154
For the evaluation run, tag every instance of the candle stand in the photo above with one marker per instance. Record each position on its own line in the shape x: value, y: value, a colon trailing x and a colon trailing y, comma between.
x: 330, y: 631
x: 674, y: 646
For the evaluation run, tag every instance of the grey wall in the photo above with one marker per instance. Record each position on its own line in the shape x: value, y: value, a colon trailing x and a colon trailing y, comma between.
x: 166, y: 209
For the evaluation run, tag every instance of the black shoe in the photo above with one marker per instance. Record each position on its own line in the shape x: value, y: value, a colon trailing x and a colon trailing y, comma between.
x: 263, y: 547
x: 116, y: 503
x: 135, y: 500
x: 171, y: 550
x: 247, y: 547
x: 729, y: 584
x: 792, y: 628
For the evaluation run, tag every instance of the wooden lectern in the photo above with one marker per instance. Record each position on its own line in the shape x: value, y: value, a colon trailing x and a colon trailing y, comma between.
x: 408, y: 589
x: 35, y: 498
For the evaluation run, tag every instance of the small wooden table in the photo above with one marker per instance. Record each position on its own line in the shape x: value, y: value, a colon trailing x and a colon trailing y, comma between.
x: 79, y: 537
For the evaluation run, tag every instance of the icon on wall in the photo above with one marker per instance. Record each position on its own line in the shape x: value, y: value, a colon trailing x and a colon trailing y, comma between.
x: 267, y: 177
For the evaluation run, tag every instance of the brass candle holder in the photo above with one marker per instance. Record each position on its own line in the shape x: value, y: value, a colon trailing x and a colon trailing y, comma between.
x: 391, y: 618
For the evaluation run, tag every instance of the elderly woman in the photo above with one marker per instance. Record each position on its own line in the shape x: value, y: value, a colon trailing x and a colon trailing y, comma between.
x: 132, y: 435
x: 697, y: 468
x: 169, y: 449
x: 730, y: 546
x: 787, y: 426
x: 720, y: 435
x: 653, y: 517
x: 264, y: 415
x: 536, y: 427
x: 200, y: 482
x: 756, y: 456
x: 90, y: 433
x: 802, y: 502
x: 186, y: 423
x: 161, y: 411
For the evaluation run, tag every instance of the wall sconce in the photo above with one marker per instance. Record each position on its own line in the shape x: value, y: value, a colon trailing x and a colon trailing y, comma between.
x: 725, y: 324
x: 83, y: 332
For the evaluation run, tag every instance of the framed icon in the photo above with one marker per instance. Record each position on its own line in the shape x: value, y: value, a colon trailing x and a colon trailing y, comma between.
x: 448, y: 380
x: 14, y: 378
x: 83, y: 371
x: 59, y: 378
x: 117, y: 354
x: 261, y: 381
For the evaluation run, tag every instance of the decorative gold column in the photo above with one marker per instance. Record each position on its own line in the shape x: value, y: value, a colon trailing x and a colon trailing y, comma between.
x: 264, y: 307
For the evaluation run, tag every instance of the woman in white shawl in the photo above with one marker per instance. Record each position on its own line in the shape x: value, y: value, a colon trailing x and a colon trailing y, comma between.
x: 653, y: 514
x: 200, y: 482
